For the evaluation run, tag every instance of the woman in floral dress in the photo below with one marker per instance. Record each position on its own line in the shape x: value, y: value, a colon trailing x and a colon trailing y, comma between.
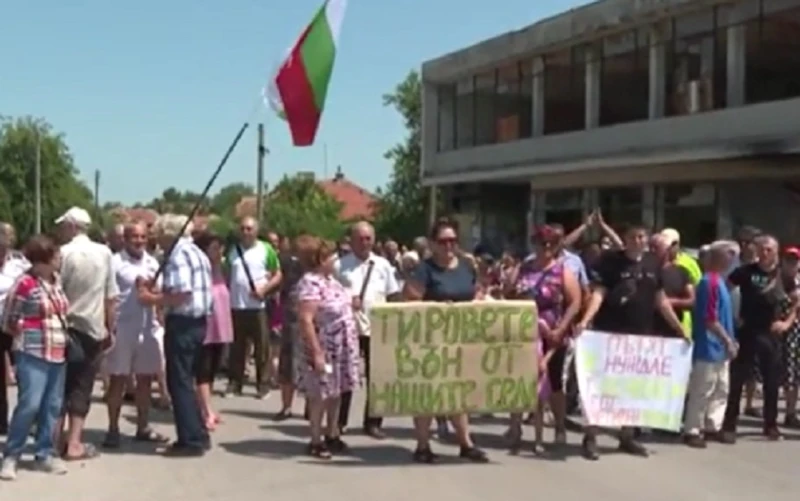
x: 328, y: 365
x: 790, y: 269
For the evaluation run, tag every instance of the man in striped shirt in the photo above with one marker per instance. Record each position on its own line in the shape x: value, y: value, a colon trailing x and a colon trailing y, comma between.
x: 186, y: 298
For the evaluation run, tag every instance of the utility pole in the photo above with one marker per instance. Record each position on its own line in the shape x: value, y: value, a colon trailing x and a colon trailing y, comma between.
x: 38, y: 181
x: 261, y: 153
x: 325, y: 160
x: 97, y: 195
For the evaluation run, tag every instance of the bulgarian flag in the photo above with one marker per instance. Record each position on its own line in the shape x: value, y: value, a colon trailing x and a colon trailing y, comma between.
x: 298, y: 89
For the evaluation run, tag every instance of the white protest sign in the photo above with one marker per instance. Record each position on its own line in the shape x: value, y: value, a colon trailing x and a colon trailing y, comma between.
x: 632, y: 380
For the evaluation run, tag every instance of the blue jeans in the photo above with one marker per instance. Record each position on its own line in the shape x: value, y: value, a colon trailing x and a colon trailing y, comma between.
x: 183, y: 342
x: 40, y: 396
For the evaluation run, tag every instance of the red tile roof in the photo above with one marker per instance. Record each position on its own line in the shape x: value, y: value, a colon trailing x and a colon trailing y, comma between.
x: 356, y: 201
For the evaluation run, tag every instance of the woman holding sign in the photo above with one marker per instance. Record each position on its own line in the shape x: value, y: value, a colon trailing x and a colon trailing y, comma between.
x: 545, y: 279
x: 444, y: 277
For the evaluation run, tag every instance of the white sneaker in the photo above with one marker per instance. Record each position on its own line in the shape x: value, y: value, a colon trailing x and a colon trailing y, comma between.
x: 8, y: 471
x: 51, y: 465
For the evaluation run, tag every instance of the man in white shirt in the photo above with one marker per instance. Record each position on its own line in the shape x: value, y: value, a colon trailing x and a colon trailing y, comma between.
x: 87, y: 277
x: 139, y: 341
x: 354, y: 270
x: 12, y: 266
x: 255, y: 273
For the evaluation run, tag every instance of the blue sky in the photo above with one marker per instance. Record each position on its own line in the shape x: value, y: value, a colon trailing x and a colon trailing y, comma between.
x: 152, y: 92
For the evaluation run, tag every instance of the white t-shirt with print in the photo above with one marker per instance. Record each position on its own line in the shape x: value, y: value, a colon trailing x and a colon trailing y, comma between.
x: 351, y: 273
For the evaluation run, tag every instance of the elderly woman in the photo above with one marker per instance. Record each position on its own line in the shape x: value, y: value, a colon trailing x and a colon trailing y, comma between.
x: 34, y: 315
x: 219, y: 328
x: 329, y: 366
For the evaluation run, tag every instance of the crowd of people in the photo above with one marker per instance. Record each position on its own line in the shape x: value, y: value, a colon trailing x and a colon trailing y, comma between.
x: 169, y: 309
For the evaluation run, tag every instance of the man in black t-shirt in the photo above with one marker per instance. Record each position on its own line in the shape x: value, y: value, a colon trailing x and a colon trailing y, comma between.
x: 760, y: 335
x: 627, y: 291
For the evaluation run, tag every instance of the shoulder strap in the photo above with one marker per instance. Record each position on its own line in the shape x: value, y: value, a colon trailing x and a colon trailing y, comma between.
x: 365, y: 284
x: 247, y: 272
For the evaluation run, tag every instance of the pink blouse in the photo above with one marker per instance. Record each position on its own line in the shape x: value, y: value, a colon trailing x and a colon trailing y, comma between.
x: 220, y: 326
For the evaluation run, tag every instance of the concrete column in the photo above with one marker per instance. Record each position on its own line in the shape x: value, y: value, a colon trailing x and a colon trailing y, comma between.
x: 649, y: 216
x: 430, y: 127
x: 587, y: 201
x: 736, y: 65
x: 432, y: 204
x: 538, y: 201
x: 724, y: 216
x: 537, y: 125
x: 658, y: 74
x: 736, y: 51
x: 593, y: 73
x: 530, y: 217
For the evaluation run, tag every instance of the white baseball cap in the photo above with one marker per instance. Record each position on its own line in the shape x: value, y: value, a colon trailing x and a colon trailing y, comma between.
x: 672, y: 236
x: 75, y: 215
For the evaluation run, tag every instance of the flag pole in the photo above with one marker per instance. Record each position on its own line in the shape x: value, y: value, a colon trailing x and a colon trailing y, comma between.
x: 261, y: 153
x: 202, y: 197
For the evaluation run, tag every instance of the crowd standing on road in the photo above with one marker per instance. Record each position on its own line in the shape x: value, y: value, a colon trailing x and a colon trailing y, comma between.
x: 124, y: 310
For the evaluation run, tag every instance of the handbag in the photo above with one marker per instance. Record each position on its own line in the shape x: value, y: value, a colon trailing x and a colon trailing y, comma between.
x: 76, y: 349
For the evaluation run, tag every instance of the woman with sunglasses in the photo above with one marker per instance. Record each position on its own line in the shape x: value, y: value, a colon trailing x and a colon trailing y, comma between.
x: 445, y: 277
x: 545, y: 279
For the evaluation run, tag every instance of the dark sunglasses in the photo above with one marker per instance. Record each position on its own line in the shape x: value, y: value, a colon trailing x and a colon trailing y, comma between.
x: 446, y: 241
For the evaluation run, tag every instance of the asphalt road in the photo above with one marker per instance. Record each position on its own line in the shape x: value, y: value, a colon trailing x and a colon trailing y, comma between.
x: 256, y: 459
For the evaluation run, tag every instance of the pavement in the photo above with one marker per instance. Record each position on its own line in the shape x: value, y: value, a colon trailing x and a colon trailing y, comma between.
x: 256, y: 459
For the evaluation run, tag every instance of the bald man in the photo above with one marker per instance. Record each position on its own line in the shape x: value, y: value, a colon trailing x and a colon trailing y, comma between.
x: 138, y: 347
x: 370, y: 279
x: 116, y: 238
x: 255, y: 274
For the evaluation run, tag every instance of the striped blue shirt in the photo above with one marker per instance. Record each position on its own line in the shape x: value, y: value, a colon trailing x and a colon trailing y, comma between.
x: 188, y: 270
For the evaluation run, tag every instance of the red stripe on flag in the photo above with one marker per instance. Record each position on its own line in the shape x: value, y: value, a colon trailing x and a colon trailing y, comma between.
x: 298, y: 98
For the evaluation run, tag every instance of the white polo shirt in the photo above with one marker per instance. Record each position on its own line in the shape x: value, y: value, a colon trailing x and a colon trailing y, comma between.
x: 351, y: 273
x: 134, y: 318
x: 10, y: 270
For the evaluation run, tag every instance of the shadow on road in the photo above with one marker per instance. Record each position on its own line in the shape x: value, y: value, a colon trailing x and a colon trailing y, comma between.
x: 378, y: 454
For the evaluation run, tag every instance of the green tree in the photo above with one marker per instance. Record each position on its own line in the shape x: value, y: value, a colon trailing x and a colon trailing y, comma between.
x: 298, y: 205
x: 176, y: 201
x: 402, y: 204
x: 61, y: 187
x: 225, y: 201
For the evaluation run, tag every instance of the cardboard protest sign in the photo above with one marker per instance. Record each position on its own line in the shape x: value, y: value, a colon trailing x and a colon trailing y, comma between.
x: 631, y: 380
x: 439, y: 359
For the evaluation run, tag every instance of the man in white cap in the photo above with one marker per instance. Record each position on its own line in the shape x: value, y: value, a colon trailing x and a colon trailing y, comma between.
x: 88, y: 280
x: 673, y: 239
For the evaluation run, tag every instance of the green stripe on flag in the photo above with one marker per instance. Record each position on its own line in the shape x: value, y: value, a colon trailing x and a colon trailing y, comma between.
x: 318, y: 53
